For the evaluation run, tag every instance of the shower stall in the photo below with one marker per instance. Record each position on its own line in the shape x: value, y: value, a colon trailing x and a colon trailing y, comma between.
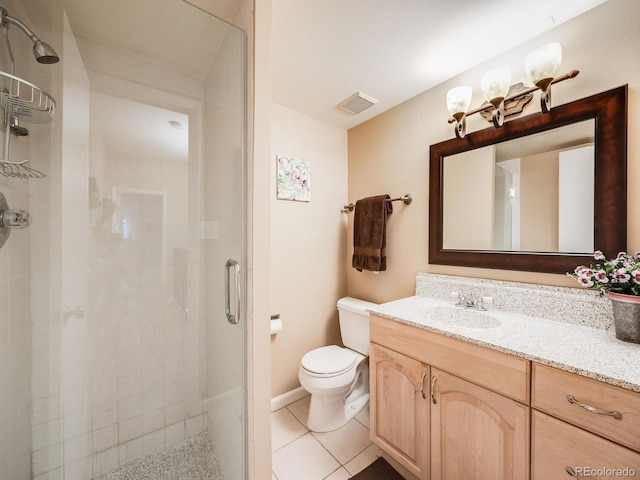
x: 122, y: 328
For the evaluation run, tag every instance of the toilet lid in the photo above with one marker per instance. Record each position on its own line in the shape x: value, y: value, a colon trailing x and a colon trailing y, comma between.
x: 328, y: 360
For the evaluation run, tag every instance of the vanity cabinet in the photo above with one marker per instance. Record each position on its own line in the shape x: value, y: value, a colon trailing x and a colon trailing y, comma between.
x: 400, y: 408
x: 445, y: 408
x: 449, y: 409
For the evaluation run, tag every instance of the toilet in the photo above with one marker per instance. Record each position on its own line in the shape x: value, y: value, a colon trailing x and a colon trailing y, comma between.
x: 338, y: 377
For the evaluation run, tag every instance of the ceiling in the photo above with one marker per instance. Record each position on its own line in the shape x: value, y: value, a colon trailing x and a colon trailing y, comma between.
x: 323, y: 51
x: 164, y: 31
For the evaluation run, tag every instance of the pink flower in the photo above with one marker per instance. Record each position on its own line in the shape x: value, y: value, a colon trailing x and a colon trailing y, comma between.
x: 585, y: 281
x: 621, y: 275
x: 587, y: 272
x: 636, y: 276
x: 601, y: 276
x: 598, y: 255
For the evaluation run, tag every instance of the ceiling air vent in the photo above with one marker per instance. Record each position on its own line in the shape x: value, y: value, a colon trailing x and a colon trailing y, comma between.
x: 357, y: 103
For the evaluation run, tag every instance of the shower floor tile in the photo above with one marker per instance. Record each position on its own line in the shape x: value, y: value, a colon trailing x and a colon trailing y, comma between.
x: 192, y: 459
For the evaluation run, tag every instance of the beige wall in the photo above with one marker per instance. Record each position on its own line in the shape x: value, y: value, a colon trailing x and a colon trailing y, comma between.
x: 539, y: 202
x: 468, y: 199
x: 308, y: 243
x: 390, y: 153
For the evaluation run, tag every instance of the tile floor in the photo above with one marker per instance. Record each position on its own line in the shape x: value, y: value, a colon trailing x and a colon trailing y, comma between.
x: 299, y: 453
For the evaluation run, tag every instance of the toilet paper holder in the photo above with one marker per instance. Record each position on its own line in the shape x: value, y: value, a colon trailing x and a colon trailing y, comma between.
x: 276, y: 324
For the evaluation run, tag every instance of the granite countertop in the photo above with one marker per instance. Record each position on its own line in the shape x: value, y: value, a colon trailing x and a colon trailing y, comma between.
x: 586, y: 351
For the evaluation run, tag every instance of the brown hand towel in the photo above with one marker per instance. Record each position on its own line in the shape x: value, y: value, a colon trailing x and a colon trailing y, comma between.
x: 369, y: 233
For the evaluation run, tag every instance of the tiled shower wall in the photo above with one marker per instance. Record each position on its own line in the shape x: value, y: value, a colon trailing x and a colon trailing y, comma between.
x: 15, y: 344
x: 17, y: 261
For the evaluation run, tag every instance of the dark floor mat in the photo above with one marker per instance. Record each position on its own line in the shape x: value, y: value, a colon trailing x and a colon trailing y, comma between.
x: 378, y: 470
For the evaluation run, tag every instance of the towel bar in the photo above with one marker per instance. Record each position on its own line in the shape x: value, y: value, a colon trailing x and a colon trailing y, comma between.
x: 406, y: 199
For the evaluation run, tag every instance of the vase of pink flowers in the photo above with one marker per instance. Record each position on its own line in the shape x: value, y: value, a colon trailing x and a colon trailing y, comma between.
x: 619, y: 279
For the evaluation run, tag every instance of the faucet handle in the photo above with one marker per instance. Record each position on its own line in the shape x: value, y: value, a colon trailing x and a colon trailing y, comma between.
x: 461, y: 298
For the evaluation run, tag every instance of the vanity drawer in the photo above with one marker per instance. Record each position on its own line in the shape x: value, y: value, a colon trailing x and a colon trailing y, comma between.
x: 558, y: 446
x: 491, y: 369
x: 552, y: 389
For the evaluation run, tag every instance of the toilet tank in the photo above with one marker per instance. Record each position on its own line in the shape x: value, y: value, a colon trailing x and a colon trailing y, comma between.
x: 354, y: 323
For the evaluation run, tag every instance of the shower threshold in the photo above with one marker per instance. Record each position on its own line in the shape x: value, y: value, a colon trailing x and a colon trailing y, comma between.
x: 191, y: 459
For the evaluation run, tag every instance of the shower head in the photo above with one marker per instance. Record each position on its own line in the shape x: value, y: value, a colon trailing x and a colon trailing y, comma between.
x: 42, y: 51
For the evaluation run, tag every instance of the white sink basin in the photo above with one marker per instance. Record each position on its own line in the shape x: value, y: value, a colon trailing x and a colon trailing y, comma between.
x: 463, y: 317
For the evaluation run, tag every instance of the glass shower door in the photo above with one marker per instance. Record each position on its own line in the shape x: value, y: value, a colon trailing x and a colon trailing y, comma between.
x: 150, y: 188
x: 222, y: 229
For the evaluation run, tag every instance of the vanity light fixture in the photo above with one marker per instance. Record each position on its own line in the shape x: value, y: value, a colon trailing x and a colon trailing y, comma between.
x: 541, y: 66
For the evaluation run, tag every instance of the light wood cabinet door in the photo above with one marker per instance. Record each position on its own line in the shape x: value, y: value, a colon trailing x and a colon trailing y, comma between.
x: 562, y: 451
x: 476, y: 434
x: 399, y: 410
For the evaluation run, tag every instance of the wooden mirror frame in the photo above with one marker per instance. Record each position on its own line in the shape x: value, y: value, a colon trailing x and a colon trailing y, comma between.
x: 609, y: 110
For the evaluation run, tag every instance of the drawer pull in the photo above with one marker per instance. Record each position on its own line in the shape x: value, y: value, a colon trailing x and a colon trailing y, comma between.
x: 572, y: 473
x: 615, y: 414
x: 434, y: 379
x: 424, y: 395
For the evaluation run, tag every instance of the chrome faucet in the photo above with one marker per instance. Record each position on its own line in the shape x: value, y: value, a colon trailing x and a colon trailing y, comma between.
x: 470, y: 301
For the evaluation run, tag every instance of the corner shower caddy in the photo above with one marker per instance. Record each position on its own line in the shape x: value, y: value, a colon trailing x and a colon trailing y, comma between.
x: 22, y: 100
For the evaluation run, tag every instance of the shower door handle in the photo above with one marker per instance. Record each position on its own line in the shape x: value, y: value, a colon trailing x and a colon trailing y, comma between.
x: 232, y: 318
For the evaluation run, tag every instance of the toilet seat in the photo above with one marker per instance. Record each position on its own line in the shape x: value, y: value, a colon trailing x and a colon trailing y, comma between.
x: 329, y: 361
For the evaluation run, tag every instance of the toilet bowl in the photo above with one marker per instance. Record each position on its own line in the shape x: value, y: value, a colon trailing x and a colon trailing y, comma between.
x: 338, y: 377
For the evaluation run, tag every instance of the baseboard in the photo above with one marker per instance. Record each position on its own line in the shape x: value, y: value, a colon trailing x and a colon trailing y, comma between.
x: 287, y: 398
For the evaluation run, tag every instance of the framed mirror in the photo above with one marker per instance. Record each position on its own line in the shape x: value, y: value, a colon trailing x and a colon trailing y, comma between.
x: 539, y: 194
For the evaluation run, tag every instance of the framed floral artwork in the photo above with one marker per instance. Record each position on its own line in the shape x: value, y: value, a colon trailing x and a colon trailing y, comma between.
x: 294, y: 179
